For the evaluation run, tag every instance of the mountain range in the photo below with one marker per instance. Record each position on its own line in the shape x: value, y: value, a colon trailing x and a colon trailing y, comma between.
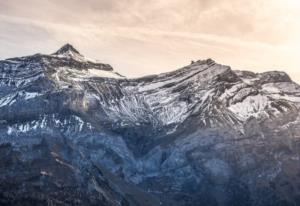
x: 75, y: 132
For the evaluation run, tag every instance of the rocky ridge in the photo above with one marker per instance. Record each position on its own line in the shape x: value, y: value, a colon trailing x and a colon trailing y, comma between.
x: 75, y: 132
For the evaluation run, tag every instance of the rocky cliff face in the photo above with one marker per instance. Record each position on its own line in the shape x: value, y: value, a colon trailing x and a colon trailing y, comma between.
x: 75, y: 132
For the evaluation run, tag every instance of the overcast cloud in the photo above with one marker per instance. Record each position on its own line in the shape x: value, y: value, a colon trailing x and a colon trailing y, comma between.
x: 144, y: 37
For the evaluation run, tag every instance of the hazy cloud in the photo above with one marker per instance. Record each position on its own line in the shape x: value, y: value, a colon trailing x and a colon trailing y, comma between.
x: 142, y: 37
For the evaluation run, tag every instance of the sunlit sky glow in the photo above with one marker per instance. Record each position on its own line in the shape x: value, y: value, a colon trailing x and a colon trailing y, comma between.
x: 144, y: 37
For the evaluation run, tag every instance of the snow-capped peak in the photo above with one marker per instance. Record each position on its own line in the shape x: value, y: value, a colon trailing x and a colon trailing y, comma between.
x: 68, y: 51
x: 93, y: 68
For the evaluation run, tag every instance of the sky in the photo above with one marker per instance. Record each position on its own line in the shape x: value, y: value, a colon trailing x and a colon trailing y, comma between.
x: 147, y: 37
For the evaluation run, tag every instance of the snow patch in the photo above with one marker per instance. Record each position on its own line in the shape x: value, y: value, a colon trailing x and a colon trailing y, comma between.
x: 270, y: 88
x: 103, y: 73
x: 251, y: 106
x: 8, y: 100
x: 30, y: 95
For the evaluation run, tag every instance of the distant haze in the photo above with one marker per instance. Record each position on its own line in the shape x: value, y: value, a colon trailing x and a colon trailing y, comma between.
x: 145, y: 37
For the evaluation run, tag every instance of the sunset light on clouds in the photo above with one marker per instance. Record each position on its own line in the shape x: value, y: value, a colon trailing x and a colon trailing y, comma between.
x: 145, y: 37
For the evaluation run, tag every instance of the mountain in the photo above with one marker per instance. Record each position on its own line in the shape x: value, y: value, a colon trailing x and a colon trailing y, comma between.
x: 76, y: 132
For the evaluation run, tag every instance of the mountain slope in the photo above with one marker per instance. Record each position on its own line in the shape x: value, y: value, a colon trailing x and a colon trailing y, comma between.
x: 201, y: 135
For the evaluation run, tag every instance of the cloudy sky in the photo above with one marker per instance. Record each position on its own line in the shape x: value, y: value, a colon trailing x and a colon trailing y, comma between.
x: 144, y: 37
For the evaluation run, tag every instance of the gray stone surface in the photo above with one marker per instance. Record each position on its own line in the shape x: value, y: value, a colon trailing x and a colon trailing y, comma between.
x: 201, y: 135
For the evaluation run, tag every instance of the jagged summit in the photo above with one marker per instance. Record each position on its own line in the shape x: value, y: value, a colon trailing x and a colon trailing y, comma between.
x: 66, y: 49
x: 208, y: 61
x: 68, y: 52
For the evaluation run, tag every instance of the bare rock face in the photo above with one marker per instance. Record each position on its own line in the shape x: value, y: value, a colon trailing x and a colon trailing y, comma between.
x: 75, y: 132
